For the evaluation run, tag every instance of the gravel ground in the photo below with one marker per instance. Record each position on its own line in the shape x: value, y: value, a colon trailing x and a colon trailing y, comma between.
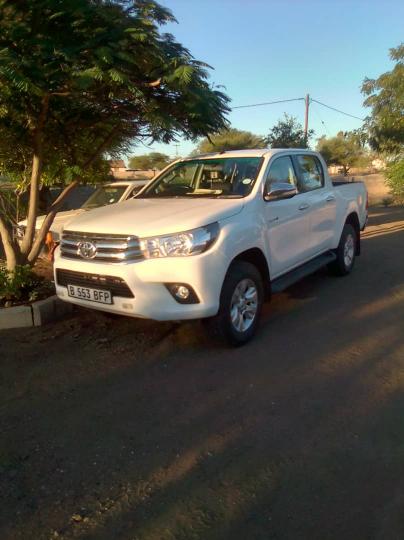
x: 134, y: 430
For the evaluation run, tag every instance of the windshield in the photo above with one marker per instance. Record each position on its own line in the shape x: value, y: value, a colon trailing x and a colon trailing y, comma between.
x: 219, y: 177
x: 104, y: 195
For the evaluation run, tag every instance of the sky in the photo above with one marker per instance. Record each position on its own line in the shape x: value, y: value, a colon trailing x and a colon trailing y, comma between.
x: 268, y: 50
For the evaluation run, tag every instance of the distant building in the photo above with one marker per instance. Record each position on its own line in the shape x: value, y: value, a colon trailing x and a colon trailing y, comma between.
x: 120, y: 172
x: 117, y: 165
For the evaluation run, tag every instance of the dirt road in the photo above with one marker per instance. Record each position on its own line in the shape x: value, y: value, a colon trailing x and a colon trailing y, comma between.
x: 131, y: 430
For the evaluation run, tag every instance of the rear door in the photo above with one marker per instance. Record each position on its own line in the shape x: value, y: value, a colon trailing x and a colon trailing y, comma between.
x: 287, y: 220
x: 321, y: 201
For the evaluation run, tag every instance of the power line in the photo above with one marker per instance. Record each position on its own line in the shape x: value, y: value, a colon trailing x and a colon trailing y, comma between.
x: 321, y: 120
x: 337, y: 110
x: 297, y: 99
x: 268, y: 103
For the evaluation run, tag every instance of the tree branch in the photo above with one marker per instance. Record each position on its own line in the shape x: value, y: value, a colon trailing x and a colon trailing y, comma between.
x: 40, y: 238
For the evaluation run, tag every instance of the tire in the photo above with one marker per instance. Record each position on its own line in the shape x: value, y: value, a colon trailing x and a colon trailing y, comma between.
x: 345, y: 252
x: 240, y: 305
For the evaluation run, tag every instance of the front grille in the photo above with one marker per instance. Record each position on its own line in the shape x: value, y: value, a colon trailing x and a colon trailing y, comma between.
x: 115, y: 285
x: 112, y: 248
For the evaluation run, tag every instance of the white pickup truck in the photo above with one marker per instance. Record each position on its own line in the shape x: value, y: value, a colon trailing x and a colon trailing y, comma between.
x: 211, y: 237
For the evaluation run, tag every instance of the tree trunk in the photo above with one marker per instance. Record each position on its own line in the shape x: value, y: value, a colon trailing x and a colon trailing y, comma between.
x: 35, y: 179
x: 33, y: 197
x: 10, y: 247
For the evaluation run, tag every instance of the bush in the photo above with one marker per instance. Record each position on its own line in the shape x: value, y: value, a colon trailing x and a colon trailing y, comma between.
x: 22, y: 286
x: 395, y: 179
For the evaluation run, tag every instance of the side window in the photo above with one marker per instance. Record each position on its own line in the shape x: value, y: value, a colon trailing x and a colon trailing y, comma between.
x: 310, y: 172
x: 281, y: 171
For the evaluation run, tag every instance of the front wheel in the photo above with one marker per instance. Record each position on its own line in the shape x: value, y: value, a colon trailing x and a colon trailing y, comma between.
x: 240, y: 304
x: 345, y: 252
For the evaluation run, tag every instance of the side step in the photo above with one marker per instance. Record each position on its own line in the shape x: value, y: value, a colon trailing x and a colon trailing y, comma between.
x: 283, y: 282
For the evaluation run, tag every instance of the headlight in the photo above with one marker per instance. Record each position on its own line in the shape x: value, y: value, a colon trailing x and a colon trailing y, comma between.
x: 180, y: 244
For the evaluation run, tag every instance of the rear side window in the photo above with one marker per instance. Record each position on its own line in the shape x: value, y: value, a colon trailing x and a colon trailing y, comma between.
x: 310, y: 171
x: 281, y: 171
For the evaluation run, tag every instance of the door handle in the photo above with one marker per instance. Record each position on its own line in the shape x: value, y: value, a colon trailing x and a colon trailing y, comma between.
x: 304, y: 206
x: 330, y: 198
x: 273, y: 219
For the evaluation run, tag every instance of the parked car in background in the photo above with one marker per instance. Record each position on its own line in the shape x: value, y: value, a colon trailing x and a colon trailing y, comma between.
x: 104, y: 195
x: 211, y: 236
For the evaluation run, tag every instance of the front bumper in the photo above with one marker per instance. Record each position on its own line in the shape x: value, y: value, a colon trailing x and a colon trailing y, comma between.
x: 146, y: 279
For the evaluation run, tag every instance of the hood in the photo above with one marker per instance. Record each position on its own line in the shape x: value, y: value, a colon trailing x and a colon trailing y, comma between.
x: 58, y: 223
x: 153, y: 217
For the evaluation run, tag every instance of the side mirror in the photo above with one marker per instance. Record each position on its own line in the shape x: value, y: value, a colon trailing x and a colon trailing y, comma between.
x: 280, y: 190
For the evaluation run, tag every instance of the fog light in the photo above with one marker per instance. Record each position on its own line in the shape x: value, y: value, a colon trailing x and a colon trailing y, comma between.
x: 183, y: 293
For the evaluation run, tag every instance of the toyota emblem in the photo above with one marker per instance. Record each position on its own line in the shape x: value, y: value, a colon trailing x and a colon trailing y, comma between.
x: 87, y: 250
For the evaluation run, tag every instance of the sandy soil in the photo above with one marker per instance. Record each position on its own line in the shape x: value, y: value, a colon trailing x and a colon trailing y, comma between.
x: 134, y: 430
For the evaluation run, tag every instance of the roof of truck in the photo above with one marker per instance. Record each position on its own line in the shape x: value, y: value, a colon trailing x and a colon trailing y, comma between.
x: 250, y: 152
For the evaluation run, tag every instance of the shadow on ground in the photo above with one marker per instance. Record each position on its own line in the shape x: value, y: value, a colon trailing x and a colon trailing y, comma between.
x: 136, y: 430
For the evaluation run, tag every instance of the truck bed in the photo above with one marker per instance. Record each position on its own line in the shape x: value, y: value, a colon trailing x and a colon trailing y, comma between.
x: 337, y: 183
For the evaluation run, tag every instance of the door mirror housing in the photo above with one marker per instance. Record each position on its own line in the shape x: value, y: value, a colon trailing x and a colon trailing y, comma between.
x: 279, y: 190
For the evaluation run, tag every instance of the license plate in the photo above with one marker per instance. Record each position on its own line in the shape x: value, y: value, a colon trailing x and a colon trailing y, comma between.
x: 93, y: 295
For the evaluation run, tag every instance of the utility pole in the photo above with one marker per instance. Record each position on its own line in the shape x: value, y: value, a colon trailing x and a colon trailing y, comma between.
x: 306, y: 117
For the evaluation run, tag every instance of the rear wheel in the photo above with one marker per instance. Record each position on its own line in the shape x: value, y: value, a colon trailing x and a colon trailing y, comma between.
x: 240, y: 304
x: 345, y: 252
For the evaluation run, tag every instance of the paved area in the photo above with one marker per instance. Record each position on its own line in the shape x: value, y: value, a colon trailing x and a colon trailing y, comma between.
x: 134, y: 430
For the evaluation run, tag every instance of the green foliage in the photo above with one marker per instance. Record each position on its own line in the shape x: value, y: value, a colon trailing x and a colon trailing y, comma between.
x: 21, y: 285
x: 385, y: 96
x: 82, y: 78
x: 345, y: 150
x: 102, y: 65
x: 395, y: 179
x: 288, y: 133
x: 153, y: 160
x: 230, y: 139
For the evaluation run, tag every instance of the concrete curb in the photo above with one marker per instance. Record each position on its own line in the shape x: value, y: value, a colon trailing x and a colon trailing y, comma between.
x: 36, y: 314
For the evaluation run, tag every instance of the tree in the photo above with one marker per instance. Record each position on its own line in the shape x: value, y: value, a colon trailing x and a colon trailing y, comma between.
x: 153, y: 160
x: 385, y: 96
x: 78, y: 79
x: 229, y: 139
x: 288, y: 133
x: 345, y: 150
x: 395, y: 179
